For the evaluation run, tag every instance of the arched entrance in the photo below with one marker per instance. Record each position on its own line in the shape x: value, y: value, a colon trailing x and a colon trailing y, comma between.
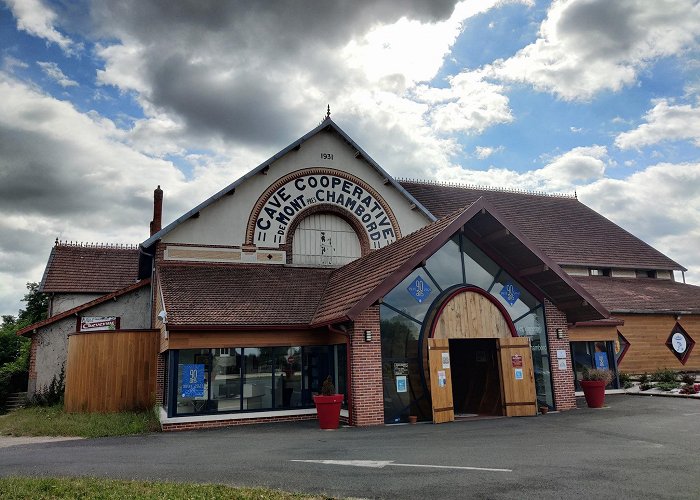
x: 477, y: 365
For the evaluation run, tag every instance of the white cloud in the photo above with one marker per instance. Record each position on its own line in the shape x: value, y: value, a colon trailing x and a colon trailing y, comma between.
x: 52, y: 70
x: 37, y: 19
x: 660, y: 205
x: 563, y: 174
x: 664, y: 122
x: 483, y: 152
x: 588, y: 46
x: 9, y: 63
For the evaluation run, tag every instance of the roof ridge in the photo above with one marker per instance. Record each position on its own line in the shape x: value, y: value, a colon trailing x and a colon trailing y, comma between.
x: 87, y: 244
x: 460, y: 185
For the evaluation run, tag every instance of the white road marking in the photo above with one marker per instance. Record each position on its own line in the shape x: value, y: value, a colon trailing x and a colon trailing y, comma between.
x: 690, y: 414
x: 380, y: 464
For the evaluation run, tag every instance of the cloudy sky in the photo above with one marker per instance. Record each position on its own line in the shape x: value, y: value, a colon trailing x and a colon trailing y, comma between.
x: 102, y: 100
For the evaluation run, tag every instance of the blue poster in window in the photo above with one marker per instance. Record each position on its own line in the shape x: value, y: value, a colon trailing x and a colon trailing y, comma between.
x: 510, y: 292
x: 419, y: 289
x: 601, y: 360
x: 192, y: 381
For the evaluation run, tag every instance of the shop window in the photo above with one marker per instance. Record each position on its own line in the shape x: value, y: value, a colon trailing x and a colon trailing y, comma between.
x: 445, y: 265
x: 589, y: 355
x: 413, y: 295
x: 599, y: 271
x: 645, y: 273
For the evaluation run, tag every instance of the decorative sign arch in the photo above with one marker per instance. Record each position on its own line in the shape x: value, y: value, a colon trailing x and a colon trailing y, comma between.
x: 280, y: 204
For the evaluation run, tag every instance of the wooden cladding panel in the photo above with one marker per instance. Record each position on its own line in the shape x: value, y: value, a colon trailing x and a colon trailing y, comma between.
x: 208, y: 339
x: 471, y: 315
x: 647, y: 335
x: 111, y: 371
x: 593, y: 333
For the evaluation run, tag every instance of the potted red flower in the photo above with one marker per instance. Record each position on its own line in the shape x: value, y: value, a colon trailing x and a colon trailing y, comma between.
x: 328, y: 405
x: 593, y: 385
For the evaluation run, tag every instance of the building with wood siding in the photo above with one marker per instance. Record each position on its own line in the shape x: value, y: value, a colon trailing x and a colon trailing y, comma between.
x: 416, y: 298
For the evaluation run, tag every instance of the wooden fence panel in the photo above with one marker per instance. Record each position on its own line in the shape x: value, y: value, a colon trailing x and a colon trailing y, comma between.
x: 111, y: 371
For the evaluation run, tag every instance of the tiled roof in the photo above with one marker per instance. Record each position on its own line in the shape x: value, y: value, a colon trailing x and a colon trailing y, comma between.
x: 240, y: 295
x: 643, y: 295
x: 90, y: 269
x: 564, y: 228
x: 83, y: 307
x: 351, y: 283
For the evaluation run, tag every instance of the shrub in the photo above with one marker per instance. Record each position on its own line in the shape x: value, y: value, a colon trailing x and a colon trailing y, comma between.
x: 53, y: 393
x: 688, y: 378
x: 328, y: 389
x: 688, y: 389
x: 667, y: 386
x: 665, y: 376
x: 625, y: 380
x: 645, y: 386
x: 597, y: 374
x: 644, y: 378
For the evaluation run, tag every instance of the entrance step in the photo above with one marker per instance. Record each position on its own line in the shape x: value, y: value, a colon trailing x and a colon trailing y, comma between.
x: 16, y: 400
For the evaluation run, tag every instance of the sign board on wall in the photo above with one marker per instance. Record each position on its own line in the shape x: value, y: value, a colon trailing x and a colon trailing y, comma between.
x: 284, y: 200
x: 98, y: 323
x: 401, y: 385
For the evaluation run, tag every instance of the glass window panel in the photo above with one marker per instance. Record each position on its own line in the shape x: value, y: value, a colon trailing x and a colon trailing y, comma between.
x: 399, y: 334
x: 288, y: 387
x: 525, y: 301
x: 257, y: 382
x: 317, y: 364
x: 445, y: 265
x: 226, y: 379
x: 401, y: 298
x: 192, y: 381
x: 479, y: 268
x: 341, y: 370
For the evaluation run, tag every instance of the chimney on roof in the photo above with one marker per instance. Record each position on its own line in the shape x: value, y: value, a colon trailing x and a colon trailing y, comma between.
x: 157, y: 210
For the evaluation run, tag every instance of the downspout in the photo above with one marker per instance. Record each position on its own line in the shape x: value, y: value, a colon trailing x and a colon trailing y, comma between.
x: 348, y: 367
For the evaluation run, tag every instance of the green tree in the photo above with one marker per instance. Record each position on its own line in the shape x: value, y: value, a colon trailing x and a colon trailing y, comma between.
x: 14, y: 350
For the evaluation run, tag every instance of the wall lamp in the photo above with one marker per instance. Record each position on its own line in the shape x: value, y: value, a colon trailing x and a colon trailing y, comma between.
x: 368, y: 335
x: 560, y: 333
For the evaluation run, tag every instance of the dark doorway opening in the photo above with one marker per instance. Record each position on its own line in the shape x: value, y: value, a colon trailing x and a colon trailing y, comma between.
x: 476, y: 386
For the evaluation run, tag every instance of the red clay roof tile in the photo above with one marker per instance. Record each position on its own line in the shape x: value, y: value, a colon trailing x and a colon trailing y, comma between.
x: 568, y: 231
x: 88, y: 269
x: 646, y: 295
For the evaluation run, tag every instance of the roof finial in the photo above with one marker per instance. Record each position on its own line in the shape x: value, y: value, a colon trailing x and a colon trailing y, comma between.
x: 328, y: 113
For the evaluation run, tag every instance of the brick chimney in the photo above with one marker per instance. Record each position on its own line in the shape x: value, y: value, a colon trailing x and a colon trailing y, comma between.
x: 157, y: 210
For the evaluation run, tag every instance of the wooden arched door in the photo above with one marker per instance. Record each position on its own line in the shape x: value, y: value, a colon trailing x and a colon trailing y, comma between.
x: 471, y: 314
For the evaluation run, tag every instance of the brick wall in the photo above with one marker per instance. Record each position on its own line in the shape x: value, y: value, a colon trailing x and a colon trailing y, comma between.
x: 367, y: 404
x: 563, y: 380
x: 160, y: 379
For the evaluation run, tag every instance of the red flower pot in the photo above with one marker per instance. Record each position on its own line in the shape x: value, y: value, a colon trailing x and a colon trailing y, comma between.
x: 328, y: 410
x: 594, y: 391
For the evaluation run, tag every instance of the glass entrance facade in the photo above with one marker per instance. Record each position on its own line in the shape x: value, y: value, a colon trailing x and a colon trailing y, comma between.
x: 243, y: 379
x: 406, y: 314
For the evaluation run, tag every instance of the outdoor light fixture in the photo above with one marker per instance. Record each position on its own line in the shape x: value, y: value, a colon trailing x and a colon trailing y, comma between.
x: 560, y: 333
x: 368, y: 335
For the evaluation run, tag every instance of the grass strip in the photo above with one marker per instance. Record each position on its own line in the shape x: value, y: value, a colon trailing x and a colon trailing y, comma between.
x: 53, y: 421
x: 87, y: 488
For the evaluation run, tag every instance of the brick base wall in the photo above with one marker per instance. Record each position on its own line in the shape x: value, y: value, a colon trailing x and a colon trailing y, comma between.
x: 367, y: 404
x: 215, y: 424
x: 31, y: 385
x: 563, y: 380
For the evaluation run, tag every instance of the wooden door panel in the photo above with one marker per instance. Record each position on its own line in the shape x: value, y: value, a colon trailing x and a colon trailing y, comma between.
x: 517, y: 377
x: 441, y: 394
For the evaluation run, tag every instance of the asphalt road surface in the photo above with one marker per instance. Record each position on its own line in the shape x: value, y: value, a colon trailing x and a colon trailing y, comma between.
x: 636, y: 447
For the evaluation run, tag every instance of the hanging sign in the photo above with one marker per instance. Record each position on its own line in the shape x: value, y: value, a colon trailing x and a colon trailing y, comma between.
x: 98, y: 323
x: 192, y: 381
x: 401, y: 385
x: 517, y: 361
x: 419, y: 289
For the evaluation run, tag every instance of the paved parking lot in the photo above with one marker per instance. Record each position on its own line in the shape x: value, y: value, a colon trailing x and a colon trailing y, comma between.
x: 637, y: 447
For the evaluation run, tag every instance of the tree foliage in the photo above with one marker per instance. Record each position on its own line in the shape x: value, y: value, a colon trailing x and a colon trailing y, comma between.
x: 14, y: 350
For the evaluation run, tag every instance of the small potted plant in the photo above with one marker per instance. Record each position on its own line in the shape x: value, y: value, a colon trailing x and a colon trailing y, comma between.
x: 328, y: 405
x: 593, y: 385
